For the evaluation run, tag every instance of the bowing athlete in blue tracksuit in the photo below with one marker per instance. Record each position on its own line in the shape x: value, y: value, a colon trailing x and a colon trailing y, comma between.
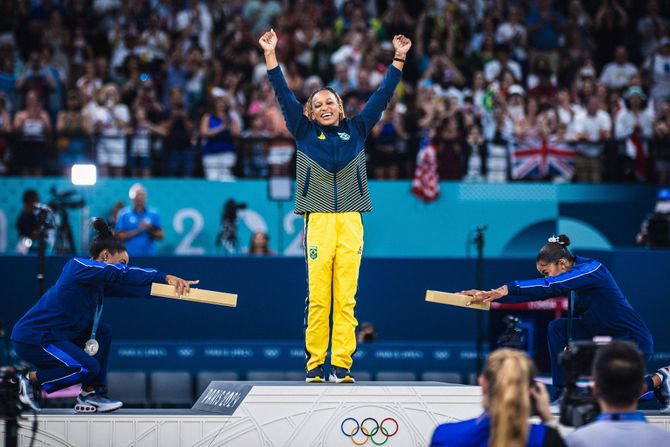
x: 601, y: 307
x: 61, y: 334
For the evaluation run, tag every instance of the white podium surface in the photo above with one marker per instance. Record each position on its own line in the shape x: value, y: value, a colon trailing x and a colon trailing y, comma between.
x: 275, y: 414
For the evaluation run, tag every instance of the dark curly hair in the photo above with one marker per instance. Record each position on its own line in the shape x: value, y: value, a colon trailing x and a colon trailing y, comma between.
x: 104, y: 240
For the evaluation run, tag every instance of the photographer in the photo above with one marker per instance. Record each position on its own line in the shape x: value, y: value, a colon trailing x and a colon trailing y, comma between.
x: 509, y: 392
x: 618, y: 373
x: 27, y: 223
x: 139, y: 226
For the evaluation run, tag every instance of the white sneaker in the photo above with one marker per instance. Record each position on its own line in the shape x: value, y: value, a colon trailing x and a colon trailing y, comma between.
x: 27, y: 393
x: 662, y: 393
x: 341, y: 375
x: 96, y: 403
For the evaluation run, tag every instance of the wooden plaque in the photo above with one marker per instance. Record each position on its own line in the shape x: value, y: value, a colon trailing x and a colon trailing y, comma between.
x: 454, y: 299
x: 197, y: 295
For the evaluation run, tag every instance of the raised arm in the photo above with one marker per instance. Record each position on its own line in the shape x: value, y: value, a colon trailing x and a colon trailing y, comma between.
x: 296, y: 122
x: 371, y: 112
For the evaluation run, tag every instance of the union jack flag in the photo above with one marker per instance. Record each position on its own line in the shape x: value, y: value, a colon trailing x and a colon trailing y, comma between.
x: 542, y: 158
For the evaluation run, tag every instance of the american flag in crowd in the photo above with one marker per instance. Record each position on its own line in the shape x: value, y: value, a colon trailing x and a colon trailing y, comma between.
x: 426, y: 183
x: 636, y: 149
x: 542, y: 158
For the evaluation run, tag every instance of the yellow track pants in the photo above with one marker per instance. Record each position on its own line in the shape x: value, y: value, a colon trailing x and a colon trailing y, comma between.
x: 333, y: 250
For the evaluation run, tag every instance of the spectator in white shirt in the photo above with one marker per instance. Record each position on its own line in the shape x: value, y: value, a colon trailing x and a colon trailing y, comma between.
x: 195, y: 23
x: 634, y: 124
x: 617, y: 74
x: 110, y: 124
x: 501, y: 62
x: 593, y: 128
x: 658, y: 68
x: 513, y: 33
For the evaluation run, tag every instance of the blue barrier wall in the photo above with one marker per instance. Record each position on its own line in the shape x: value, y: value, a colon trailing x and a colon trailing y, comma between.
x: 519, y: 216
x: 272, y: 290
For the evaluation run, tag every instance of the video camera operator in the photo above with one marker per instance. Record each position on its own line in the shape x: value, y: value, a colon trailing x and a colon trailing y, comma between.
x: 227, y: 237
x: 618, y: 373
x: 27, y: 223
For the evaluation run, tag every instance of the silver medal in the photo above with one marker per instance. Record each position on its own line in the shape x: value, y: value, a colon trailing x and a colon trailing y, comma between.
x: 91, y: 347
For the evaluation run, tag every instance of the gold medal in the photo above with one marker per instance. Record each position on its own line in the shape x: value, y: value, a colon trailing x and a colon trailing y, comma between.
x: 91, y: 347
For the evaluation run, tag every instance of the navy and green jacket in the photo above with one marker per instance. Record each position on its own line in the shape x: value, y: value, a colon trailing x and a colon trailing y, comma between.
x: 331, y: 171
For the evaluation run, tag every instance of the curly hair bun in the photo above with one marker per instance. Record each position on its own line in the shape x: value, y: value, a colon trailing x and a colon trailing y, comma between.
x: 564, y: 240
x: 102, y: 228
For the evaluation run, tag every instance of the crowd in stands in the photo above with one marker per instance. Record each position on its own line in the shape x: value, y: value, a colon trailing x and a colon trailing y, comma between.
x: 502, y: 90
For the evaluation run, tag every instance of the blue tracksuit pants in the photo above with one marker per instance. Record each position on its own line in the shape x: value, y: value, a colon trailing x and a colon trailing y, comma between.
x: 64, y: 363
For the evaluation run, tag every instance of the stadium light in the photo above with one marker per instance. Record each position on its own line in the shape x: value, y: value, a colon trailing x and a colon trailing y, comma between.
x: 84, y: 174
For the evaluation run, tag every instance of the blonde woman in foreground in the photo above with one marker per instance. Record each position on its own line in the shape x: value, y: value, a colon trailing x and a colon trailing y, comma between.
x: 508, y: 388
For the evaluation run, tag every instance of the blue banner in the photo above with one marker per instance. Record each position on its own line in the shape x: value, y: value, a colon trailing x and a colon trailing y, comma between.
x: 519, y: 217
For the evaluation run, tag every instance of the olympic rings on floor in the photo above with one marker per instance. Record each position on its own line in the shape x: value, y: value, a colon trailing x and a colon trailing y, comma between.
x: 369, y: 433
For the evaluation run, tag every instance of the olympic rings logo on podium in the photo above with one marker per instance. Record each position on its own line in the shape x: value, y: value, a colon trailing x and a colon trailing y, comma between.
x: 370, y: 429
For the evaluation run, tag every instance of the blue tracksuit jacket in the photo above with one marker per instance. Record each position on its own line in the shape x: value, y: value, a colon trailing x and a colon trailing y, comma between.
x: 476, y: 433
x: 67, y: 309
x: 602, y: 305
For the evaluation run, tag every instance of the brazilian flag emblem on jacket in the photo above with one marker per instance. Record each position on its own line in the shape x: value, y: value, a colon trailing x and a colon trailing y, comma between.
x: 313, y: 252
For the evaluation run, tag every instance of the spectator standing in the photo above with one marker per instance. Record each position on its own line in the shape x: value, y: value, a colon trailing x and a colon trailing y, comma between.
x: 141, y: 143
x: 660, y: 145
x: 178, y: 130
x: 651, y: 27
x: 544, y: 30
x: 5, y: 135
x: 634, y: 125
x: 33, y: 126
x: 593, y: 128
x: 513, y: 33
x: 72, y: 141
x: 139, y: 226
x: 387, y: 138
x: 502, y: 62
x: 219, y: 128
x: 195, y: 25
x: 111, y: 123
x: 658, y: 72
x: 611, y: 23
x: 36, y: 77
x: 616, y: 75
x: 256, y: 148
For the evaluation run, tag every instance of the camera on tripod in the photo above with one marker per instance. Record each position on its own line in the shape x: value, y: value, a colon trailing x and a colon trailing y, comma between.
x: 512, y: 337
x: 227, y: 237
x: 60, y: 203
x: 579, y: 406
x: 64, y: 200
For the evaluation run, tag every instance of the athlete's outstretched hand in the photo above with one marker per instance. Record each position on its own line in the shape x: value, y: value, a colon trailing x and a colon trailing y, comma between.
x: 486, y: 296
x: 181, y: 286
x: 268, y: 41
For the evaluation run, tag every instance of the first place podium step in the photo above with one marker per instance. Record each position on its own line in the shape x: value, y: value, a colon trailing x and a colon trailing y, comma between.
x: 269, y: 414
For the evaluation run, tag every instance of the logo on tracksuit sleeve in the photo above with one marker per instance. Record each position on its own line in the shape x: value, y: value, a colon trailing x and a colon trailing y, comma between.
x: 313, y: 252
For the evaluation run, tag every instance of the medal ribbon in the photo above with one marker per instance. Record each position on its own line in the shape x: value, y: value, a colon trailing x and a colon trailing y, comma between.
x: 96, y: 320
